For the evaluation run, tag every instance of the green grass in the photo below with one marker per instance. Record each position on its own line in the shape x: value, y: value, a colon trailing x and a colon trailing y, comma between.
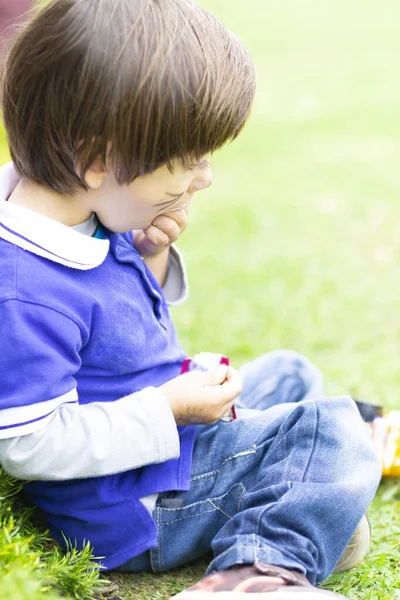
x: 296, y: 244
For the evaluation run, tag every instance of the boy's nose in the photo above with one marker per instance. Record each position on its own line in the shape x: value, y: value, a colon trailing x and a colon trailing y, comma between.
x: 202, y: 181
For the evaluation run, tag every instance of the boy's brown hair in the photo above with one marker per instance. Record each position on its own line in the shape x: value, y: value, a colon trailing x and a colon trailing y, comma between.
x: 135, y: 82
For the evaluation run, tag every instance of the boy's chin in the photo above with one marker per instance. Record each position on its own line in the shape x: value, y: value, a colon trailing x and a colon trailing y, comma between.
x: 120, y: 228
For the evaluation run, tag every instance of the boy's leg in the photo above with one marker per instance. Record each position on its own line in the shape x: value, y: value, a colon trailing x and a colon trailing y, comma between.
x: 316, y: 492
x: 287, y: 376
x: 286, y: 486
x: 278, y: 377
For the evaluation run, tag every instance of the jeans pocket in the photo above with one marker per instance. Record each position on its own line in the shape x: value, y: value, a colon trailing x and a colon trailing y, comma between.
x: 185, y: 534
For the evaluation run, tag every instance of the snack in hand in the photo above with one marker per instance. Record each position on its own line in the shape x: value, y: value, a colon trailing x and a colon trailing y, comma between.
x: 207, y: 361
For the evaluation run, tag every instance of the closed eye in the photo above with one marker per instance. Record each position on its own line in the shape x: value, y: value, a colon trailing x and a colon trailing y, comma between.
x: 202, y: 166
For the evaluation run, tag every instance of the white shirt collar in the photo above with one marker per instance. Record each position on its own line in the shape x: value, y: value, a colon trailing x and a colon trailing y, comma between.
x: 88, y: 227
x: 43, y: 236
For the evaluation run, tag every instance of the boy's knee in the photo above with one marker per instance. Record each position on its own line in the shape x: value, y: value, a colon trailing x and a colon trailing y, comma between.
x: 290, y: 359
x: 341, y: 437
x: 335, y: 419
x: 340, y: 416
x: 341, y: 413
x: 283, y: 360
x: 296, y: 367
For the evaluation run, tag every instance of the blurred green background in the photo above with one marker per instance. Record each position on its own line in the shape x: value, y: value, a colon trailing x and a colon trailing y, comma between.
x: 297, y: 243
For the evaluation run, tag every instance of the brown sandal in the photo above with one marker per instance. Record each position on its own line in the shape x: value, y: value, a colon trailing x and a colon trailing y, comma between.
x: 258, y: 579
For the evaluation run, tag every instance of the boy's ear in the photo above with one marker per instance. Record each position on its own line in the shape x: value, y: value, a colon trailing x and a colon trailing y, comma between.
x: 94, y: 176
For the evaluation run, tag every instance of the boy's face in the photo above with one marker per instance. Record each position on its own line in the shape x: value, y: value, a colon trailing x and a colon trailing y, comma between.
x: 134, y: 206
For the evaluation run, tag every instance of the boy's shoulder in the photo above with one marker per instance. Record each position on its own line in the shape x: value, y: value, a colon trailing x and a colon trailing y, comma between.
x: 23, y: 273
x: 8, y: 270
x: 29, y: 283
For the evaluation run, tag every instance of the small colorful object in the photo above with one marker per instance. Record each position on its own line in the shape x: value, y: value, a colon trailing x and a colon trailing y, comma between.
x: 207, y: 361
x: 386, y: 438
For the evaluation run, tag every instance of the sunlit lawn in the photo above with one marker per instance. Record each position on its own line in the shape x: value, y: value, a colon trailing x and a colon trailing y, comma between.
x: 297, y: 243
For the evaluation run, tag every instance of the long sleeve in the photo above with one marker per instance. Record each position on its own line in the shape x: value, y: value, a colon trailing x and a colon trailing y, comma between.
x: 45, y: 433
x: 95, y: 439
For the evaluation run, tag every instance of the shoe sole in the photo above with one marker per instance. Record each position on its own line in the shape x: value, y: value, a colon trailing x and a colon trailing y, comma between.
x: 357, y: 548
x: 289, y: 594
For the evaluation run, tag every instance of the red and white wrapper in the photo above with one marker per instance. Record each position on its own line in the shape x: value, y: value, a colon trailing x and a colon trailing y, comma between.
x: 207, y: 361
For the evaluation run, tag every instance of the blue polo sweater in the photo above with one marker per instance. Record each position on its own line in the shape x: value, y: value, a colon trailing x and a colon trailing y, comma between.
x: 105, y: 332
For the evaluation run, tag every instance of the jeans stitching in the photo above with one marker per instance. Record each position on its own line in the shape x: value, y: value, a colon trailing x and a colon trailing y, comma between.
x: 204, y: 475
x: 188, y: 517
x: 238, y: 493
x: 159, y: 538
x: 289, y: 482
x: 251, y: 450
x: 219, y: 508
x: 313, y: 443
x: 156, y: 516
x: 241, y: 497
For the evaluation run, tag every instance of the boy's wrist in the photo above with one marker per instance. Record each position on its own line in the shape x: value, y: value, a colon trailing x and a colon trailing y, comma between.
x: 158, y: 263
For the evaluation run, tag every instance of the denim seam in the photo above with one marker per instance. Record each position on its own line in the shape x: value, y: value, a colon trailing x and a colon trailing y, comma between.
x: 313, y: 445
x: 157, y: 519
x: 251, y: 450
x: 239, y: 483
x: 238, y: 495
x: 290, y: 483
x: 309, y: 460
x: 189, y: 517
x: 204, y: 475
x: 244, y: 490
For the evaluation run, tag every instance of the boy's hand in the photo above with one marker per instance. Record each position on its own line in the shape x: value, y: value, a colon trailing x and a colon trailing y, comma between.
x: 202, y: 397
x: 162, y: 232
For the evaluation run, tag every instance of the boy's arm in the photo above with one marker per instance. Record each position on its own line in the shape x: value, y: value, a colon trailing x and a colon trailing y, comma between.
x: 155, y: 241
x: 46, y: 433
x: 95, y: 439
x: 158, y: 265
x: 72, y: 447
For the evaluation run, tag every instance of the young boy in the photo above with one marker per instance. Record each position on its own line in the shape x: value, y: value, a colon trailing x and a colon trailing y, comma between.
x: 112, y: 109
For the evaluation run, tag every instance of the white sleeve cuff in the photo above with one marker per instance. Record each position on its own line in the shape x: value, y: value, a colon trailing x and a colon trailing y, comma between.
x: 22, y: 420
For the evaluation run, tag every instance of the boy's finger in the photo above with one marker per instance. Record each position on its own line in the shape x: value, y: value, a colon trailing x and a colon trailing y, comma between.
x: 168, y: 226
x: 226, y: 393
x: 208, y: 378
x: 233, y: 375
x: 180, y: 216
x: 157, y: 236
x: 233, y: 387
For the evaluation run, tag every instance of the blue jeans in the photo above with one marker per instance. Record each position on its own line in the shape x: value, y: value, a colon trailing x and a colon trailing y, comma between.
x: 284, y: 484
